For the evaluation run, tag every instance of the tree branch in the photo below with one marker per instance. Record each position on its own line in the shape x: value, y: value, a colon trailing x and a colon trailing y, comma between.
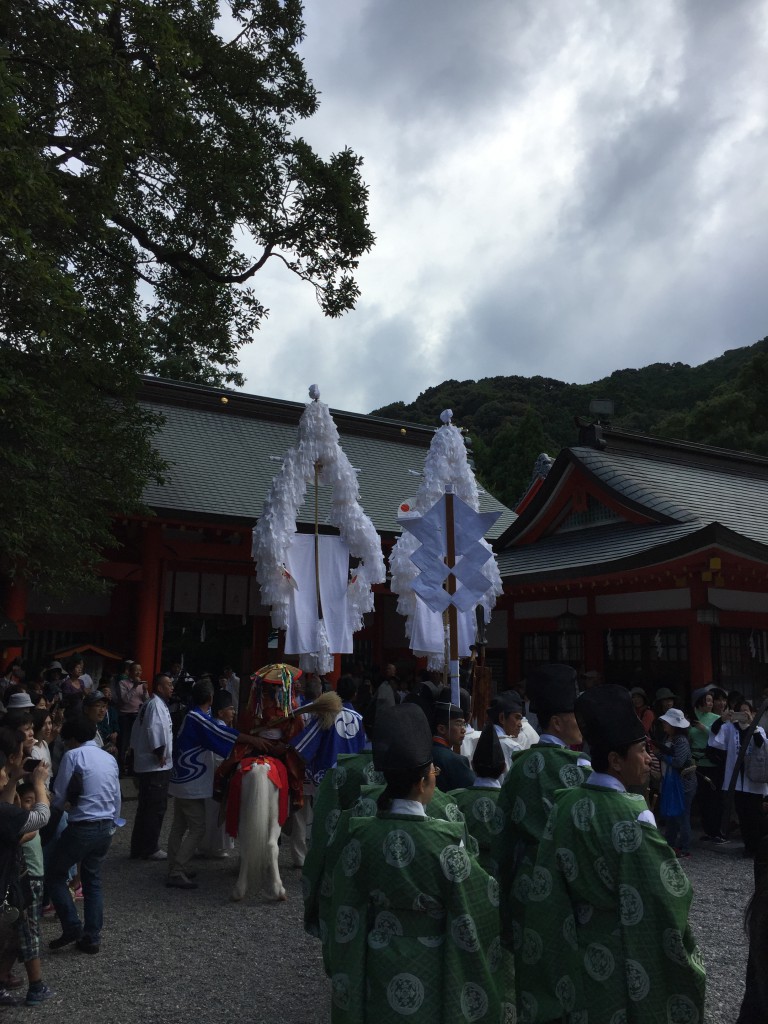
x: 183, y: 261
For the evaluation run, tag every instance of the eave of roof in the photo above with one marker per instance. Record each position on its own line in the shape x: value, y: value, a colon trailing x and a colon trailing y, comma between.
x: 223, y: 456
x: 619, y: 547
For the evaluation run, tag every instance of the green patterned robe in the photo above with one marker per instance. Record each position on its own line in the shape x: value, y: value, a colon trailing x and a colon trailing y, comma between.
x: 341, y: 785
x: 484, y: 820
x: 413, y: 928
x: 610, y: 899
x: 338, y: 791
x: 328, y: 843
x: 526, y: 799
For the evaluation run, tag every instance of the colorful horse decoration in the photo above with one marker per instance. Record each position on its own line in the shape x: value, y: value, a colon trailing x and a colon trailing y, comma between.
x: 266, y: 792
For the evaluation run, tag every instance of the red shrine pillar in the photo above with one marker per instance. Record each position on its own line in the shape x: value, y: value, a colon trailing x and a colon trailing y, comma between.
x: 16, y: 611
x: 149, y: 618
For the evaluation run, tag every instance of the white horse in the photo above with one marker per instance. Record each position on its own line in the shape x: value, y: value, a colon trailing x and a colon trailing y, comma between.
x: 259, y: 831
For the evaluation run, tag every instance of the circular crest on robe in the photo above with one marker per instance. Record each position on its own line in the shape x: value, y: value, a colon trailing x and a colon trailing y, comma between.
x: 533, y: 947
x: 452, y: 812
x: 464, y: 933
x: 474, y: 1001
x: 582, y: 813
x: 340, y: 989
x: 517, y: 813
x: 598, y: 961
x: 569, y: 931
x: 674, y: 947
x: 630, y: 905
x: 332, y: 823
x: 566, y: 861
x: 533, y: 765
x: 426, y: 904
x: 542, y: 884
x: 673, y: 878
x: 455, y: 863
x: 604, y: 873
x: 350, y: 858
x: 399, y: 848
x: 682, y: 1010
x: 405, y: 994
x: 626, y: 836
x: 508, y: 1014
x: 347, y: 924
x: 565, y: 991
x: 386, y: 921
x: 638, y: 982
x: 571, y: 775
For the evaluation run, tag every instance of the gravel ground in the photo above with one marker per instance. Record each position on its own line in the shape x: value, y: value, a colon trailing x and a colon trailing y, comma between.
x: 169, y: 956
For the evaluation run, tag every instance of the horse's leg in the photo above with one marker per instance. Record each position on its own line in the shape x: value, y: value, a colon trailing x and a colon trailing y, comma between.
x: 247, y: 839
x: 272, y: 881
x: 297, y: 839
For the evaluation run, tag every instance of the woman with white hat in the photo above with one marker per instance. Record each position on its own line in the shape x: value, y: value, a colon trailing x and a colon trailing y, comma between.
x: 680, y: 773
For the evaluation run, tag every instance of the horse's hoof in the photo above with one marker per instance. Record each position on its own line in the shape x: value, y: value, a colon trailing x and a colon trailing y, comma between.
x: 282, y: 898
x: 237, y: 896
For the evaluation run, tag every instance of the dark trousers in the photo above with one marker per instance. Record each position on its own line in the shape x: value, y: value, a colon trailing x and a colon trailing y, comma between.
x: 709, y: 797
x: 153, y: 800
x: 124, y: 739
x: 84, y: 843
x: 749, y: 808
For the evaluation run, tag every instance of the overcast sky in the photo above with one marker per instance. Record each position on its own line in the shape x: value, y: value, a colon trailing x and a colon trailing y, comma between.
x: 559, y: 188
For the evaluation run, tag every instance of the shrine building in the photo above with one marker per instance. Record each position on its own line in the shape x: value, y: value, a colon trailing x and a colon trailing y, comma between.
x: 642, y: 561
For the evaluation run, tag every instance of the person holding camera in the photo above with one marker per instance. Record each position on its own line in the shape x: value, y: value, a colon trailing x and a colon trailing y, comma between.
x: 18, y: 824
x: 726, y: 735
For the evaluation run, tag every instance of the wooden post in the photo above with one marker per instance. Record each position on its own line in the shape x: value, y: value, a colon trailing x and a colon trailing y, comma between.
x: 453, y: 622
x: 149, y: 621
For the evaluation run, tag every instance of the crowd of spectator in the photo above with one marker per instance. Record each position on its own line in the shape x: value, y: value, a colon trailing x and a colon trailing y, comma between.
x: 66, y: 739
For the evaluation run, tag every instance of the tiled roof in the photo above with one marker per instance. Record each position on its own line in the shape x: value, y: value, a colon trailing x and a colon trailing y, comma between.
x: 690, y: 488
x: 223, y: 458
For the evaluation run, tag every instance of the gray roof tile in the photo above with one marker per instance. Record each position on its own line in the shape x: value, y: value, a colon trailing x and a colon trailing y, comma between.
x: 221, y: 466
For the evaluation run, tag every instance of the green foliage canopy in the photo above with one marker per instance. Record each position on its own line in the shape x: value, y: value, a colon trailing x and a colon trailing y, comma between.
x: 149, y: 170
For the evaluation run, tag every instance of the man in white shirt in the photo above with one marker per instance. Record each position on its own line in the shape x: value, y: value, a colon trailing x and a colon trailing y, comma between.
x: 88, y: 780
x: 152, y: 744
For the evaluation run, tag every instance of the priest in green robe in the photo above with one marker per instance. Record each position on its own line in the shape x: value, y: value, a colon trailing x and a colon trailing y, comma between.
x: 483, y: 817
x: 528, y: 792
x: 605, y: 936
x: 413, y: 919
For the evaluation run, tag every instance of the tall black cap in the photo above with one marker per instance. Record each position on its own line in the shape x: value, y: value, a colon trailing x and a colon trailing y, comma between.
x: 488, y: 760
x: 552, y: 689
x: 403, y: 739
x: 607, y: 717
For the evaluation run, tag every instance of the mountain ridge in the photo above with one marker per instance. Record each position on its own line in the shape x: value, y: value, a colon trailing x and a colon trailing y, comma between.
x: 512, y: 419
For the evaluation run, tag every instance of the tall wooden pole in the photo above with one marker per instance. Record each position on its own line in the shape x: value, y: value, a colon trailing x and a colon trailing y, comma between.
x: 453, y: 621
x: 317, y: 544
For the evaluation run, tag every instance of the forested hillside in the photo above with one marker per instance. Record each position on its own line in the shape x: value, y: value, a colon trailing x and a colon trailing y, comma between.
x: 512, y: 419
